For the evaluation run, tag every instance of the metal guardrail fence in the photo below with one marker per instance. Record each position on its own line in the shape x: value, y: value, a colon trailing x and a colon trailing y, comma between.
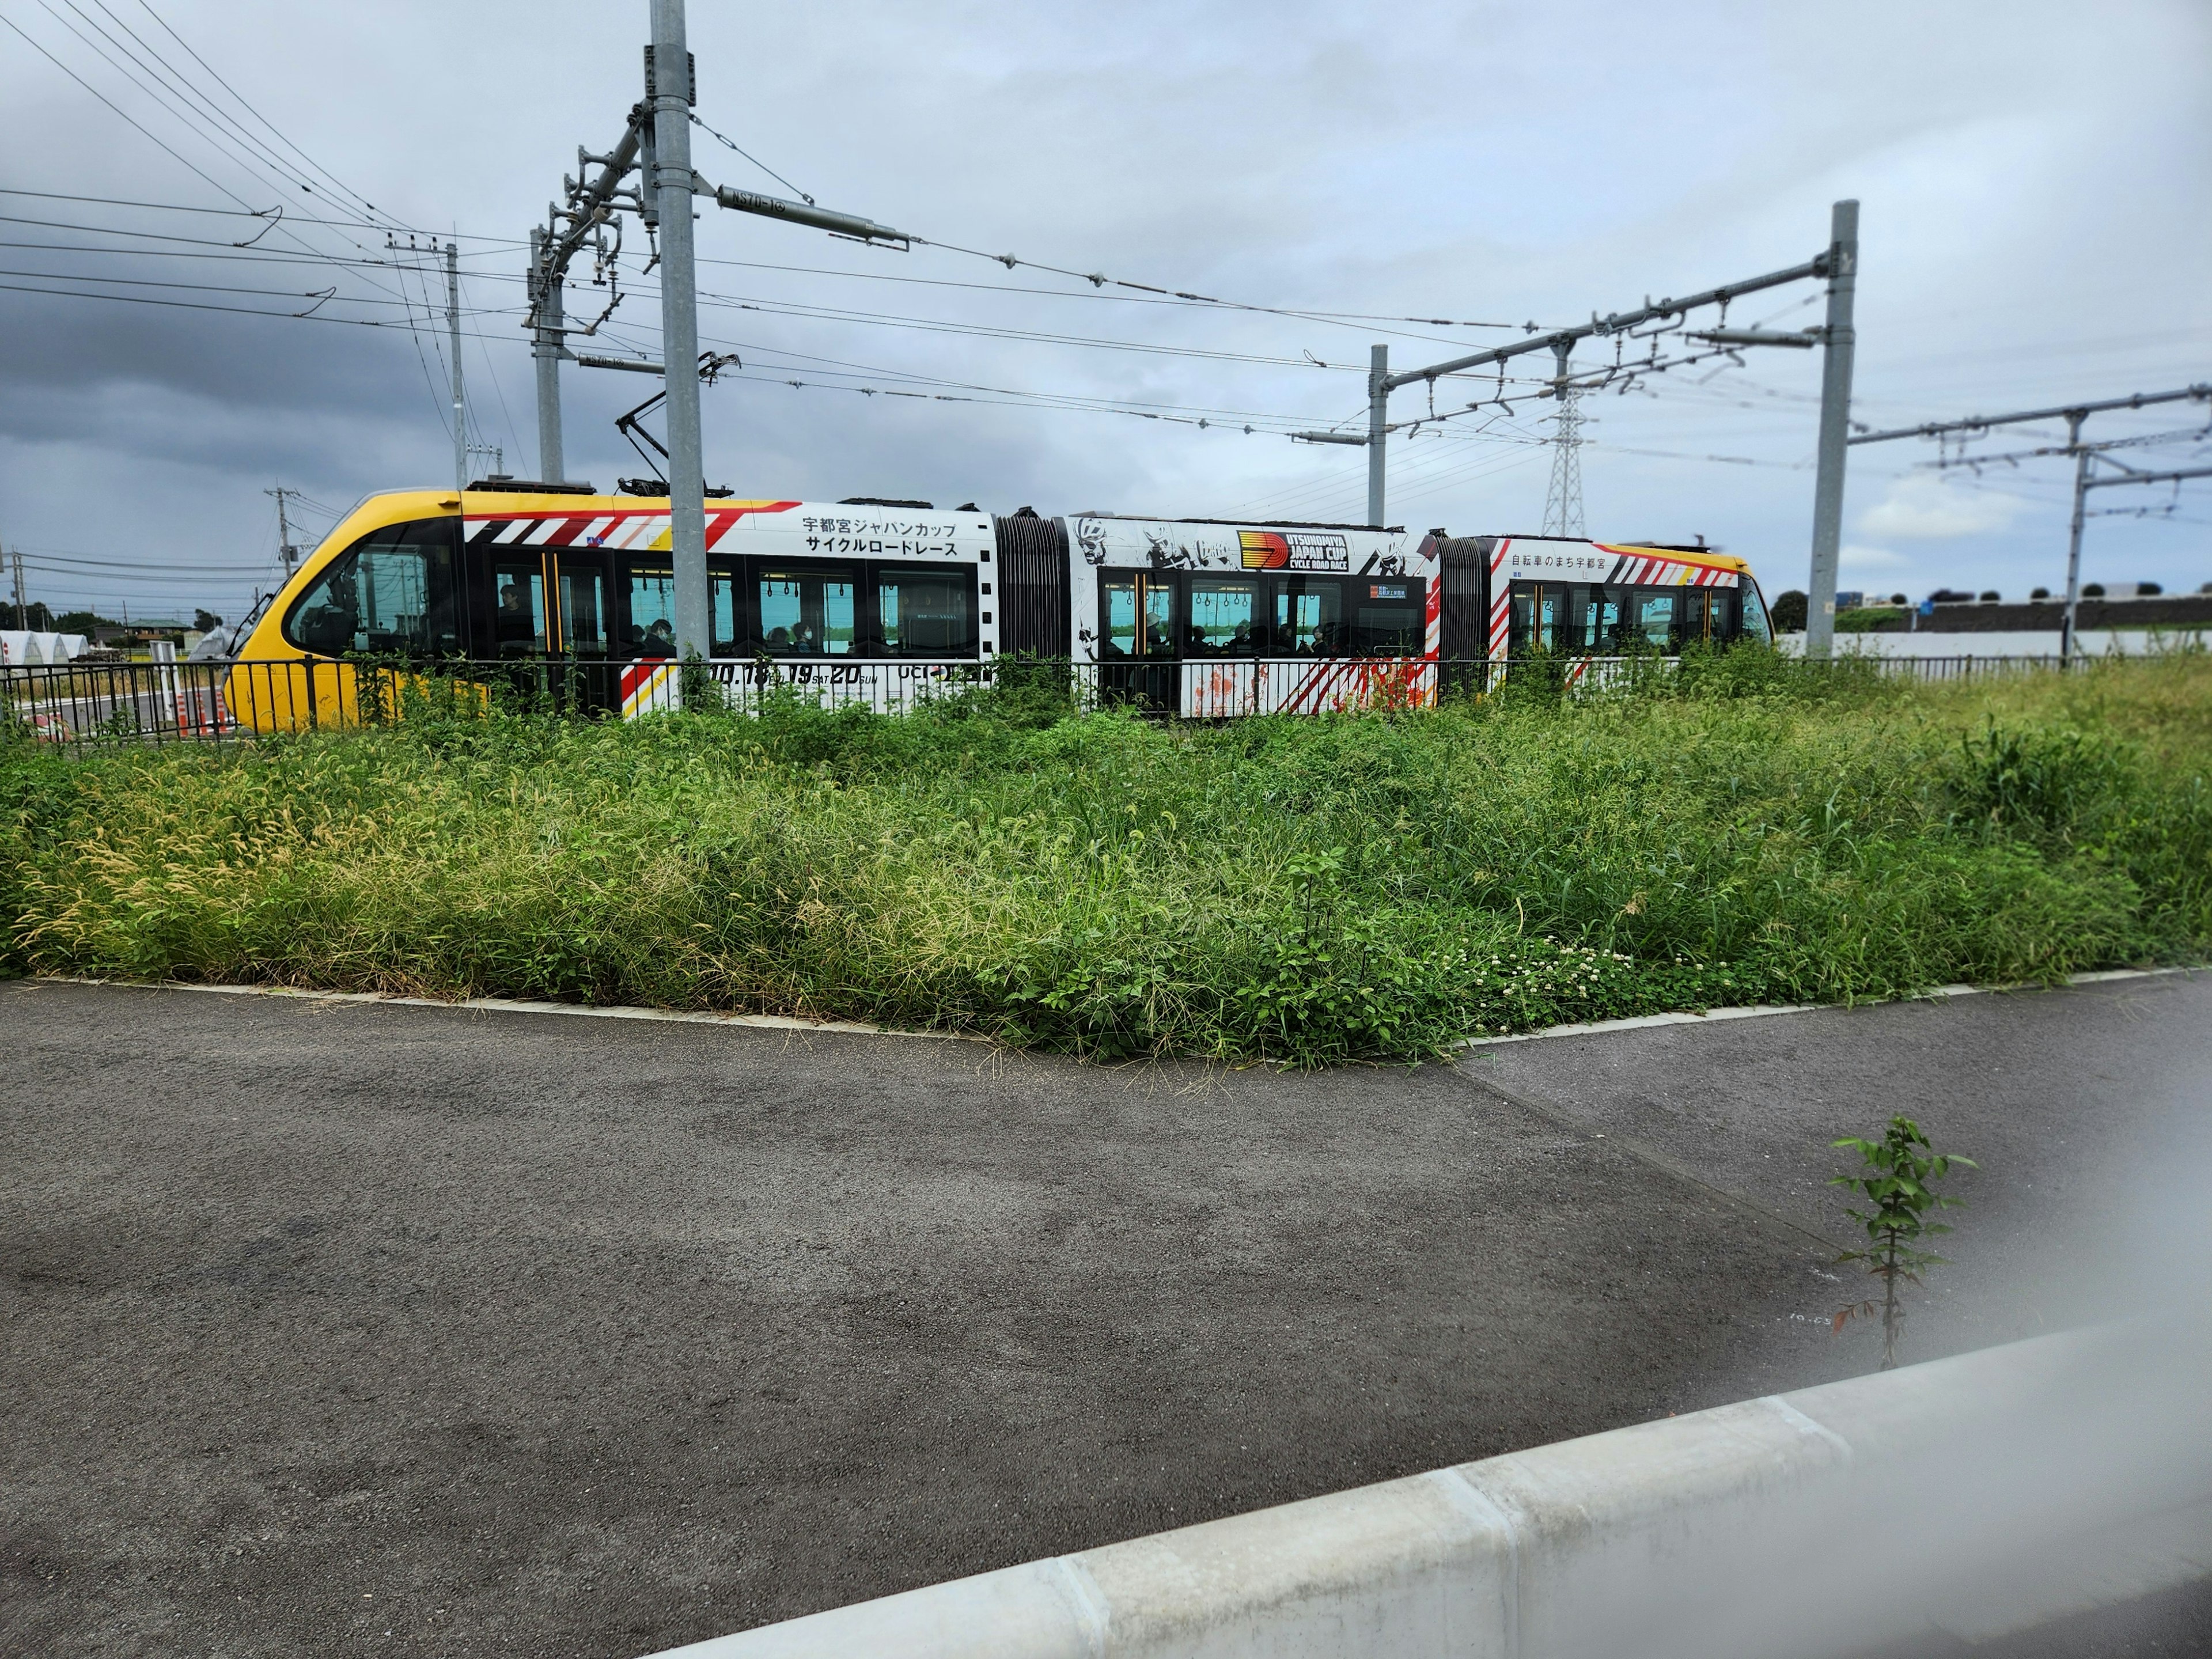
x: 82, y: 705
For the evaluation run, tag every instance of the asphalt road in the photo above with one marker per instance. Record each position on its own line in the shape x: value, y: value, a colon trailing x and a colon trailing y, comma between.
x: 337, y: 1327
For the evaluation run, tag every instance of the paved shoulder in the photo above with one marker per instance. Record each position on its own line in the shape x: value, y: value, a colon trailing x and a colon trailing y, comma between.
x: 2086, y: 1109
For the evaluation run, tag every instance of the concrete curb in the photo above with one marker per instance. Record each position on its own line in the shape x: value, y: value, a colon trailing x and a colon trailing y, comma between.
x: 515, y: 1005
x: 1759, y: 1011
x: 1984, y: 1493
x: 859, y: 1028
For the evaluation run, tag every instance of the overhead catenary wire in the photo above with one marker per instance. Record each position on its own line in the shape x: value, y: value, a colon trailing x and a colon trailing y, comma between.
x: 1070, y: 403
x: 192, y: 123
x: 1097, y: 282
x: 1100, y: 281
x: 803, y: 311
x: 501, y: 246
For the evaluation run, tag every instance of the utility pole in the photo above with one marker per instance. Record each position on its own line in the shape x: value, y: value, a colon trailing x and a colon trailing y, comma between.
x: 1563, y: 502
x: 1842, y: 271
x: 284, y: 548
x: 22, y: 612
x: 2083, y: 455
x: 545, y: 349
x: 668, y: 95
x: 2074, y: 419
x: 460, y: 404
x: 1378, y: 428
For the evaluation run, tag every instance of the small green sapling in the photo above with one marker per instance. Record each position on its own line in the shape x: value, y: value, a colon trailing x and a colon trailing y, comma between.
x: 1899, y: 1184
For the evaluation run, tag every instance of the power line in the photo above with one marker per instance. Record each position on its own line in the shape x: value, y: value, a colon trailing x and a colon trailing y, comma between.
x: 504, y: 245
x: 191, y: 125
x: 343, y: 187
x: 1099, y: 280
x: 260, y: 153
x: 321, y: 296
x: 89, y: 88
x: 167, y: 80
x: 498, y: 243
x: 829, y: 366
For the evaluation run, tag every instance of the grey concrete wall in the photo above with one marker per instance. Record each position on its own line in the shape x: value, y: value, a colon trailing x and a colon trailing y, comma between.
x: 1966, y: 1498
x: 2092, y: 641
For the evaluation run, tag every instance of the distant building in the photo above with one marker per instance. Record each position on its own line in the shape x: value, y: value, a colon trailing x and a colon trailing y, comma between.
x: 140, y: 633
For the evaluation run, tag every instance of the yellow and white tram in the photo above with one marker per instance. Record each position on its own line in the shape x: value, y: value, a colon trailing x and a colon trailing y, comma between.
x: 877, y: 601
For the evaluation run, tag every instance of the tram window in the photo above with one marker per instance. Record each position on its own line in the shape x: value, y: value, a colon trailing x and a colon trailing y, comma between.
x: 1755, y: 624
x: 1697, y: 618
x: 1546, y: 616
x: 924, y: 612
x: 1388, y: 616
x: 727, y: 621
x: 1594, y: 617
x: 1573, y: 615
x: 1654, y: 618
x: 518, y: 614
x: 393, y: 592
x: 650, y: 628
x: 807, y: 613
x: 1140, y: 612
x: 1120, y: 602
x: 1309, y: 616
x: 583, y: 614
x: 1225, y: 617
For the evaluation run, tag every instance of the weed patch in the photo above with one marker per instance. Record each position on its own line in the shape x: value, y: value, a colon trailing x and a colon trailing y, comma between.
x: 1293, y: 890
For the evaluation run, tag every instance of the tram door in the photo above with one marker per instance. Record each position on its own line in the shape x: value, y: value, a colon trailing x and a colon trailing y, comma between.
x: 547, y: 604
x: 1139, y: 662
x: 1701, y: 620
x: 519, y: 624
x: 1536, y: 617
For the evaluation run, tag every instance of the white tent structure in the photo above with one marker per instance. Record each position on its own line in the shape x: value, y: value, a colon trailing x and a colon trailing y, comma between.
x: 23, y: 648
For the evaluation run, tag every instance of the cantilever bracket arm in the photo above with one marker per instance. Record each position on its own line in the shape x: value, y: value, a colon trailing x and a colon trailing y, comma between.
x: 798, y: 213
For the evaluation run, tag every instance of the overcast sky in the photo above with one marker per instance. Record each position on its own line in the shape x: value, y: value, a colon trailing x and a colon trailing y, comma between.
x: 2036, y: 181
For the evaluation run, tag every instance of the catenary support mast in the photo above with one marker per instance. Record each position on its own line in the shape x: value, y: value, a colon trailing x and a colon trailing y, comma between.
x: 2066, y: 628
x: 1835, y: 429
x: 1842, y: 273
x: 2084, y: 456
x: 671, y: 95
x: 546, y: 348
x: 1378, y: 428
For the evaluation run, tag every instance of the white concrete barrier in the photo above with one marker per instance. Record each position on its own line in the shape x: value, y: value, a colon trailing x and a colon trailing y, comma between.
x: 2024, y: 642
x: 1970, y: 1496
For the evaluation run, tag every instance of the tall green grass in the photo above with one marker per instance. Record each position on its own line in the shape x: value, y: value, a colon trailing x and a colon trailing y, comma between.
x: 1298, y: 891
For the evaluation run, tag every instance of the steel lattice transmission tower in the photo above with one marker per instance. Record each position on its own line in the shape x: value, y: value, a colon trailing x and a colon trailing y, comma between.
x: 1563, y: 502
